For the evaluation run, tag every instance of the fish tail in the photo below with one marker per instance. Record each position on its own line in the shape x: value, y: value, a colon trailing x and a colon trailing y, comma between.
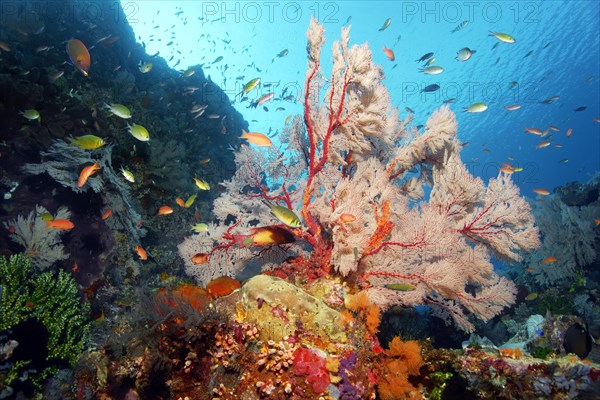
x: 244, y: 134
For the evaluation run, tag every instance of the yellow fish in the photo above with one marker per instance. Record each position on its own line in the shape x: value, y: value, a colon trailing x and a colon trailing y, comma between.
x: 189, y: 72
x: 88, y: 142
x: 402, y: 287
x: 188, y: 203
x: 200, y: 227
x: 476, y: 108
x: 46, y: 216
x: 505, y: 37
x: 139, y: 132
x: 531, y: 296
x: 119, y: 110
x: 285, y: 215
x: 31, y: 114
x: 127, y: 175
x: 250, y: 85
x: 202, y: 184
x: 145, y: 67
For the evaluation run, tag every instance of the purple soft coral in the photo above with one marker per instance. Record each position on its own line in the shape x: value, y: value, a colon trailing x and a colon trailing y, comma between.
x: 347, y: 390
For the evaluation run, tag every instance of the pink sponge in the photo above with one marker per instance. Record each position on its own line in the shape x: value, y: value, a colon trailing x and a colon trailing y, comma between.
x: 308, y: 362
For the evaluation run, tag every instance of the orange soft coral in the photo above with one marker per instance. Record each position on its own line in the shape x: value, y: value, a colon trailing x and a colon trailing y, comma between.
x: 384, y: 226
x: 371, y: 313
x: 511, y: 353
x: 402, y: 359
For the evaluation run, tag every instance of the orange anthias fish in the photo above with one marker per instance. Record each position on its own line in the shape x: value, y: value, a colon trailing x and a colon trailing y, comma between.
x: 543, y: 144
x: 62, y: 224
x: 86, y: 173
x: 389, y: 53
x: 347, y: 218
x: 106, y: 214
x: 597, y: 221
x: 507, y: 168
x: 200, y: 258
x: 535, y: 131
x: 180, y: 202
x: 222, y: 286
x: 141, y: 252
x: 79, y: 55
x: 164, y: 210
x: 549, y: 259
x: 542, y: 192
x: 256, y: 138
x: 569, y: 132
x: 512, y: 107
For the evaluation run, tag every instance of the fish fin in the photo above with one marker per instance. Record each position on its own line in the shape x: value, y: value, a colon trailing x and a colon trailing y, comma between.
x: 268, y: 204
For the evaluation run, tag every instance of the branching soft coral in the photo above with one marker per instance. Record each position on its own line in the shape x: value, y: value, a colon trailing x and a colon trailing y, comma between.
x: 402, y: 359
x: 42, y: 245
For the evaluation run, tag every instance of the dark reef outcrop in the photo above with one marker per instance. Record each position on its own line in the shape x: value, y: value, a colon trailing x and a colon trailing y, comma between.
x: 35, y: 74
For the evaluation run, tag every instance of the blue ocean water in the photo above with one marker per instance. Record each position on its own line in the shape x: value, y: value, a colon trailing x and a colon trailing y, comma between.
x: 556, y: 53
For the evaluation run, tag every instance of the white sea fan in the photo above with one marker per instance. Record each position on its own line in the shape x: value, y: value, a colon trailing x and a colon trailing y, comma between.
x: 63, y: 161
x: 346, y: 167
x: 42, y: 244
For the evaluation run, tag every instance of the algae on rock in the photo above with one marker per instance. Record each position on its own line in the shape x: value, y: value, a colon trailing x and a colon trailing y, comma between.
x: 279, y: 308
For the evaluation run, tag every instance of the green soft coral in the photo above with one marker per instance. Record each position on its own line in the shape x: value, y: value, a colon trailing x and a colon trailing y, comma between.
x: 13, y: 295
x: 50, y: 298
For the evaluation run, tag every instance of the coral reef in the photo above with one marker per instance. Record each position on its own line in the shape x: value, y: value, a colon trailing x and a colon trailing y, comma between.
x: 352, y: 189
x: 48, y: 306
x: 510, y: 376
x: 568, y: 233
x: 337, y: 221
x: 62, y: 161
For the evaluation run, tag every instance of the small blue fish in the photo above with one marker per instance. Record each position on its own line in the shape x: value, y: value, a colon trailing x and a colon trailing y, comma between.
x: 430, y: 88
x: 460, y: 26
